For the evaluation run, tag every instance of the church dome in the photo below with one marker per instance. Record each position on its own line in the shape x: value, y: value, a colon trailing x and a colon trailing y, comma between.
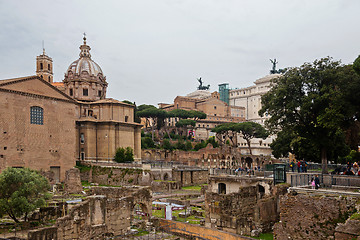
x: 84, y: 79
x: 84, y: 63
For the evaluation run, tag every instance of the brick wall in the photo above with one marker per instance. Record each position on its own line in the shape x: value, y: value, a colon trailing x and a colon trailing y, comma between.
x: 311, y: 216
x: 39, y: 147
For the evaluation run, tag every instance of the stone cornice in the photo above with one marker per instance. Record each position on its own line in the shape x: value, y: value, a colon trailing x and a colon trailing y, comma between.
x: 37, y: 95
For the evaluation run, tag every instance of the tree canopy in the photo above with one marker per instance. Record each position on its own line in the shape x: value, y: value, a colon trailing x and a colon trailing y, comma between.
x: 248, y: 131
x: 22, y: 190
x: 314, y: 104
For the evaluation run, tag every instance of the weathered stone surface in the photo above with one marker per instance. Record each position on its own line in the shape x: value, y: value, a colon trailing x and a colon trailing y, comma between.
x: 100, y: 215
x: 348, y: 230
x: 311, y: 216
x: 43, y: 233
x: 72, y: 181
x: 241, y: 212
x: 189, y: 177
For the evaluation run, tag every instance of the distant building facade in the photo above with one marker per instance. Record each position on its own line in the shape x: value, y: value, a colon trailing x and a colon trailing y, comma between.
x: 48, y: 125
x: 217, y: 111
x: 250, y: 99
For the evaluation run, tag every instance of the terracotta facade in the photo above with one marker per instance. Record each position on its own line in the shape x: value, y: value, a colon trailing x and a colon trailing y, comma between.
x: 48, y: 126
x: 217, y: 111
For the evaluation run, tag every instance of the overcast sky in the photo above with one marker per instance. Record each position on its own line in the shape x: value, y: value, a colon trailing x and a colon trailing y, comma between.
x: 154, y: 50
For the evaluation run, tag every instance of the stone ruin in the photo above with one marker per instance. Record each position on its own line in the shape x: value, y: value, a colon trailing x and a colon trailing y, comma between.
x: 242, y: 205
x: 317, y: 216
x: 108, y: 212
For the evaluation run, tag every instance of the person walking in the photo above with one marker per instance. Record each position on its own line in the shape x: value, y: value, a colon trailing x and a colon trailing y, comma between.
x: 312, y: 183
x: 298, y: 166
x: 317, y: 182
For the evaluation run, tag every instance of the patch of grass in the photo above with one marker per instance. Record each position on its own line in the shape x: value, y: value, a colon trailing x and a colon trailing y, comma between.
x: 85, y: 183
x: 265, y: 236
x: 158, y: 213
x: 192, y: 188
x: 141, y: 232
x: 82, y: 168
x: 164, y: 181
x: 355, y: 216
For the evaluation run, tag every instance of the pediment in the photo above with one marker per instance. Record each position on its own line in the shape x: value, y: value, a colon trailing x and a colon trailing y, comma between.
x: 34, y: 85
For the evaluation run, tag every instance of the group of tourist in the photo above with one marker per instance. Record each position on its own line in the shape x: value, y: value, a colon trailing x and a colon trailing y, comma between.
x: 301, y: 166
x: 350, y: 169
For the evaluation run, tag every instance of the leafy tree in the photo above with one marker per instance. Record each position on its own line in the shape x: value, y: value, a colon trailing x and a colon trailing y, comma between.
x: 124, y: 155
x: 196, y: 115
x: 167, y: 145
x: 180, y: 145
x: 185, y: 123
x: 224, y: 132
x: 188, y: 146
x: 22, y: 190
x: 281, y: 145
x: 213, y: 142
x: 128, y: 102
x: 315, y: 102
x: 200, y: 145
x: 152, y: 115
x: 356, y: 65
x: 147, y: 142
x: 250, y: 130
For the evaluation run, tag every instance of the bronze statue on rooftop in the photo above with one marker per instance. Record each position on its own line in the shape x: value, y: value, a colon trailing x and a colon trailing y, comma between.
x: 201, y: 87
x: 273, y: 70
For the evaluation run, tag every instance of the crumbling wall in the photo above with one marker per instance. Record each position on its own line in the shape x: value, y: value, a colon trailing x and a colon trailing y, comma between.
x: 116, y: 176
x: 72, y: 181
x: 311, y: 216
x: 243, y: 211
x: 348, y: 230
x: 84, y: 221
x: 43, y: 233
x: 98, y: 216
x: 160, y: 186
x: 189, y: 177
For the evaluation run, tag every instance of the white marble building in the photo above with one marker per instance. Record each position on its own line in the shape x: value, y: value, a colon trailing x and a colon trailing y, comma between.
x: 250, y: 98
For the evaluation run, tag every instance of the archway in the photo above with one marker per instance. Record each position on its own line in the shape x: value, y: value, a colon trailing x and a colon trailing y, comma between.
x: 157, y: 156
x: 147, y: 156
x: 139, y: 214
x: 166, y: 177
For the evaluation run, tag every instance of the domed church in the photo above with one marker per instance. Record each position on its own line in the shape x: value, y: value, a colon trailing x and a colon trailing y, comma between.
x: 48, y: 125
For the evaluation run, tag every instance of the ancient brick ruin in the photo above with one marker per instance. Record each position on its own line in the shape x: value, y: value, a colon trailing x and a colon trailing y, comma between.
x: 241, y: 204
x: 316, y: 216
x: 106, y: 213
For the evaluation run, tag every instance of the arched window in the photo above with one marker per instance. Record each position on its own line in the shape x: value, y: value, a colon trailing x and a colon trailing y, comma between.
x: 41, y: 66
x: 49, y: 79
x: 49, y: 67
x: 36, y: 115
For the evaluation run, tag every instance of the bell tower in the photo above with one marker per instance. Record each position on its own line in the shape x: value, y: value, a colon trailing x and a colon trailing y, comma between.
x: 44, y: 67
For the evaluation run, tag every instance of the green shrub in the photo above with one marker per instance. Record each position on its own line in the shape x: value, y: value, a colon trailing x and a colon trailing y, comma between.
x: 188, y: 146
x: 147, y: 142
x: 167, y: 145
x: 124, y: 155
